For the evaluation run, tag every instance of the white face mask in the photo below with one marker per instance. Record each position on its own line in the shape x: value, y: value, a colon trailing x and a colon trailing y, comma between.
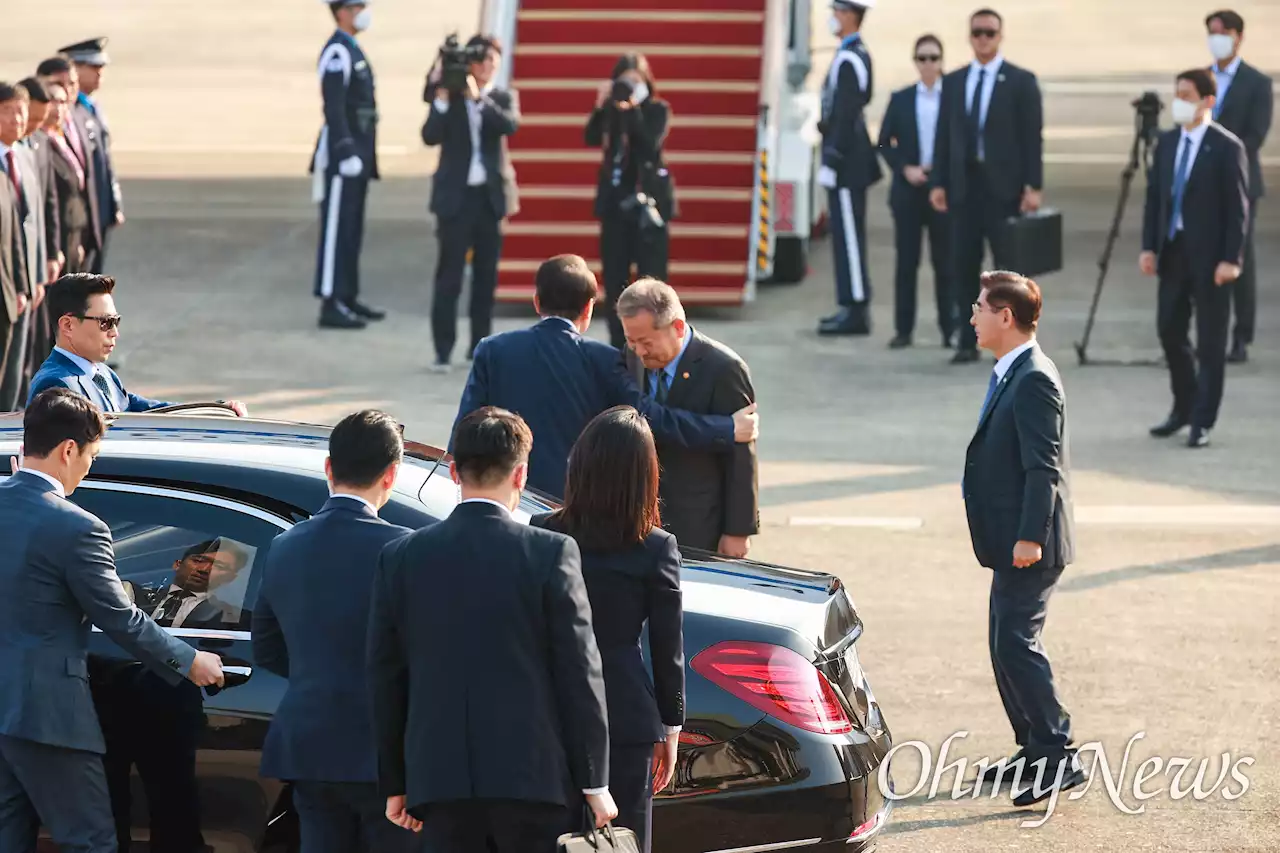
x: 362, y: 19
x: 833, y: 24
x: 640, y: 92
x: 1221, y: 46
x: 1183, y: 112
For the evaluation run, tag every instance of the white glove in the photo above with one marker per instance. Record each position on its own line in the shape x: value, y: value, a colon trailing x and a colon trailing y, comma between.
x: 351, y: 167
x: 827, y: 177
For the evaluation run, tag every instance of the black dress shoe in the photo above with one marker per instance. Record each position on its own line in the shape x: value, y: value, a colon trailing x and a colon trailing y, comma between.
x: 335, y: 315
x: 965, y: 356
x: 1199, y: 437
x: 849, y: 321
x: 366, y: 312
x: 1239, y: 353
x: 1005, y: 764
x: 1169, y: 425
x: 1072, y: 775
x: 900, y: 342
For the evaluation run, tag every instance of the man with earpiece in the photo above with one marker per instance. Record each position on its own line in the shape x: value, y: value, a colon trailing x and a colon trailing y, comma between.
x: 345, y: 160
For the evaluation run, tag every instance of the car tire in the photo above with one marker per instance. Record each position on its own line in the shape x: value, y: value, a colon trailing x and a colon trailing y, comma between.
x: 790, y: 260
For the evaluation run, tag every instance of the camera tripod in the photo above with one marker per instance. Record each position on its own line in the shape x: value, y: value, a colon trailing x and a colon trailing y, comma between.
x: 1146, y: 128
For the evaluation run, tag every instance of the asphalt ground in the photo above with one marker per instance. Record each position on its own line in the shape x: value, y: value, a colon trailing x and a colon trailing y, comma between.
x: 1165, y: 626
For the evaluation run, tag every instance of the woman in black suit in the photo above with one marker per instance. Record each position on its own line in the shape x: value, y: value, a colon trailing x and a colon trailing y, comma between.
x: 634, y: 195
x: 632, y: 570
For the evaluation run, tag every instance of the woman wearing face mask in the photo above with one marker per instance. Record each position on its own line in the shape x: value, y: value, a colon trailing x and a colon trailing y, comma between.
x: 635, y: 198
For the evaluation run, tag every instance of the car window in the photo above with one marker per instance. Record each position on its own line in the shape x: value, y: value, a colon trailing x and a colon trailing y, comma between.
x: 185, y: 562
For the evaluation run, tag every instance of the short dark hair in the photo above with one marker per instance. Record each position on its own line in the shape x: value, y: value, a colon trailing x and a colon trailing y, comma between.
x: 565, y: 286
x: 486, y: 40
x: 36, y: 90
x: 1230, y: 20
x: 212, y: 546
x: 1202, y: 79
x: 611, y: 490
x: 488, y: 444
x: 70, y: 294
x: 10, y: 92
x: 1016, y: 292
x: 927, y: 38
x: 363, y: 445
x: 335, y: 6
x: 53, y: 65
x: 57, y: 415
x: 987, y: 12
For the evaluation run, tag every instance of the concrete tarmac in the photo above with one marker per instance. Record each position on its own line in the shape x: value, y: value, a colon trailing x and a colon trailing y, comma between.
x: 1165, y: 626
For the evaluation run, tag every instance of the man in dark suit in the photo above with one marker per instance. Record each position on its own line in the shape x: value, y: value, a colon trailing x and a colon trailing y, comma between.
x: 1017, y: 496
x: 1243, y: 105
x: 15, y: 220
x: 907, y: 143
x: 90, y: 58
x: 81, y: 138
x: 988, y: 163
x: 1193, y: 236
x: 310, y: 625
x: 468, y: 194
x: 557, y: 380
x: 469, y: 616
x: 709, y: 500
x: 50, y: 742
x: 88, y: 326
x: 849, y: 167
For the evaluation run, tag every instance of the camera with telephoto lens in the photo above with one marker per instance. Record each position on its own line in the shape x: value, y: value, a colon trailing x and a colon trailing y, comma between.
x: 644, y: 207
x: 455, y: 63
x: 623, y: 90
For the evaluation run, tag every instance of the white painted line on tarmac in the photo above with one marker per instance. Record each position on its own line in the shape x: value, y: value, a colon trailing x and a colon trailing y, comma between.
x: 882, y: 523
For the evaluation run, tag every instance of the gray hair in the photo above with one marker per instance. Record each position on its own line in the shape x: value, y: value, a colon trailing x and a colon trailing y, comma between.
x: 656, y: 297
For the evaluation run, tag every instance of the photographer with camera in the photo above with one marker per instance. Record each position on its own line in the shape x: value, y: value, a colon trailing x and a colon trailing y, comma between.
x: 468, y: 119
x: 635, y: 197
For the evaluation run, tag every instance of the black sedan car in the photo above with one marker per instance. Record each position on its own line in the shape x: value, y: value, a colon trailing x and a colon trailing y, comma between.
x: 783, y: 739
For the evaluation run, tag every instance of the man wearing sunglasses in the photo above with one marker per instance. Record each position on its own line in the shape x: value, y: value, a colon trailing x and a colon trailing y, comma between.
x: 989, y: 162
x: 907, y: 142
x: 87, y: 329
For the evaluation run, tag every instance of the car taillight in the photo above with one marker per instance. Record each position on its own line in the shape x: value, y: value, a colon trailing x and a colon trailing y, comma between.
x: 777, y: 681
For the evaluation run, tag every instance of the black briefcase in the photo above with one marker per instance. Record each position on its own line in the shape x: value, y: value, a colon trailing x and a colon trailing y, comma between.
x: 1030, y: 244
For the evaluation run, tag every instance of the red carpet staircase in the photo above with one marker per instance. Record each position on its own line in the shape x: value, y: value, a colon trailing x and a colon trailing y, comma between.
x: 706, y: 58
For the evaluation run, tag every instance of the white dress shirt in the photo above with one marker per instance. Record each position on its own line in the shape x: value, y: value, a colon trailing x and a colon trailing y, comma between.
x: 928, y: 104
x: 1196, y: 137
x: 57, y: 487
x: 88, y: 368
x: 992, y: 70
x: 477, y: 175
x: 1007, y: 360
x: 4, y: 163
x: 1225, y: 77
x: 352, y: 497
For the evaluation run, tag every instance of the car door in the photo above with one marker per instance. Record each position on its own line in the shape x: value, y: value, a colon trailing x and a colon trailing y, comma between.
x: 183, y: 762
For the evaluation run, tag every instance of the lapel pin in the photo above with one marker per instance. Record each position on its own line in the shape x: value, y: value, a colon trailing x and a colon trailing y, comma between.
x: 999, y: 78
x: 685, y: 375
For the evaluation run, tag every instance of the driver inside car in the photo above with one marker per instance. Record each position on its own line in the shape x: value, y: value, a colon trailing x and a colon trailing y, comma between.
x: 87, y: 328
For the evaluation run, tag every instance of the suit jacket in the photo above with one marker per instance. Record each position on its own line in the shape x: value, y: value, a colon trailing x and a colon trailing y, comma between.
x: 105, y: 186
x: 630, y: 588
x: 899, y: 145
x: 1246, y: 112
x: 60, y: 370
x: 310, y: 625
x: 72, y: 200
x: 57, y: 579
x: 846, y: 142
x: 1018, y: 468
x: 633, y: 138
x: 350, y: 108
x: 212, y: 612
x: 485, y: 674
x: 1215, y: 203
x: 41, y: 225
x: 1012, y: 136
x: 89, y: 136
x: 13, y: 251
x: 707, y: 495
x: 451, y: 130
x: 558, y: 380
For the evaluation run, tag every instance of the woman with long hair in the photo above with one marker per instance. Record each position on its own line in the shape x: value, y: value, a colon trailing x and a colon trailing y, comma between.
x: 632, y: 571
x: 635, y: 198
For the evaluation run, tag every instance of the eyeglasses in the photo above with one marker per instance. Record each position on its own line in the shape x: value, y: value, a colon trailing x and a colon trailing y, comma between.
x: 979, y: 32
x: 929, y: 57
x: 105, y: 323
x: 978, y: 306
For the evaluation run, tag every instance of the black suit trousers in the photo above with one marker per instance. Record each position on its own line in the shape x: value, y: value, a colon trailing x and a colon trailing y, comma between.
x: 13, y: 341
x: 1019, y: 603
x: 1244, y: 292
x: 476, y: 228
x: 622, y: 245
x: 348, y: 817
x: 63, y: 789
x: 495, y: 826
x: 910, y: 219
x: 631, y: 785
x: 975, y: 223
x: 341, y: 238
x: 1197, y: 394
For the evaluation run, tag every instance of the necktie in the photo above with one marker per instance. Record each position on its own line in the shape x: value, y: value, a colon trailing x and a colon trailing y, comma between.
x: 103, y: 386
x: 168, y: 610
x: 12, y: 168
x: 975, y: 117
x: 991, y: 390
x: 1179, y: 186
x: 660, y: 381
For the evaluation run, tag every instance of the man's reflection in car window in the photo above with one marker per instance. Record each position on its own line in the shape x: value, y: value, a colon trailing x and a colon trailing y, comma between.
x: 190, y: 601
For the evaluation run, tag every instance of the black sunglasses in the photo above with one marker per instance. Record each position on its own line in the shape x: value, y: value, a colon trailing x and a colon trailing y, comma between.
x: 106, y: 324
x: 983, y: 33
x: 929, y: 57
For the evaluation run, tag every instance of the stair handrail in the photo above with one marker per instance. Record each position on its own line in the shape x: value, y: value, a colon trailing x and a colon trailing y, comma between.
x: 498, y: 17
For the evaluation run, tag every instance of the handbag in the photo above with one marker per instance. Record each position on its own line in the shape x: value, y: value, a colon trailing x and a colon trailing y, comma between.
x: 610, y: 839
